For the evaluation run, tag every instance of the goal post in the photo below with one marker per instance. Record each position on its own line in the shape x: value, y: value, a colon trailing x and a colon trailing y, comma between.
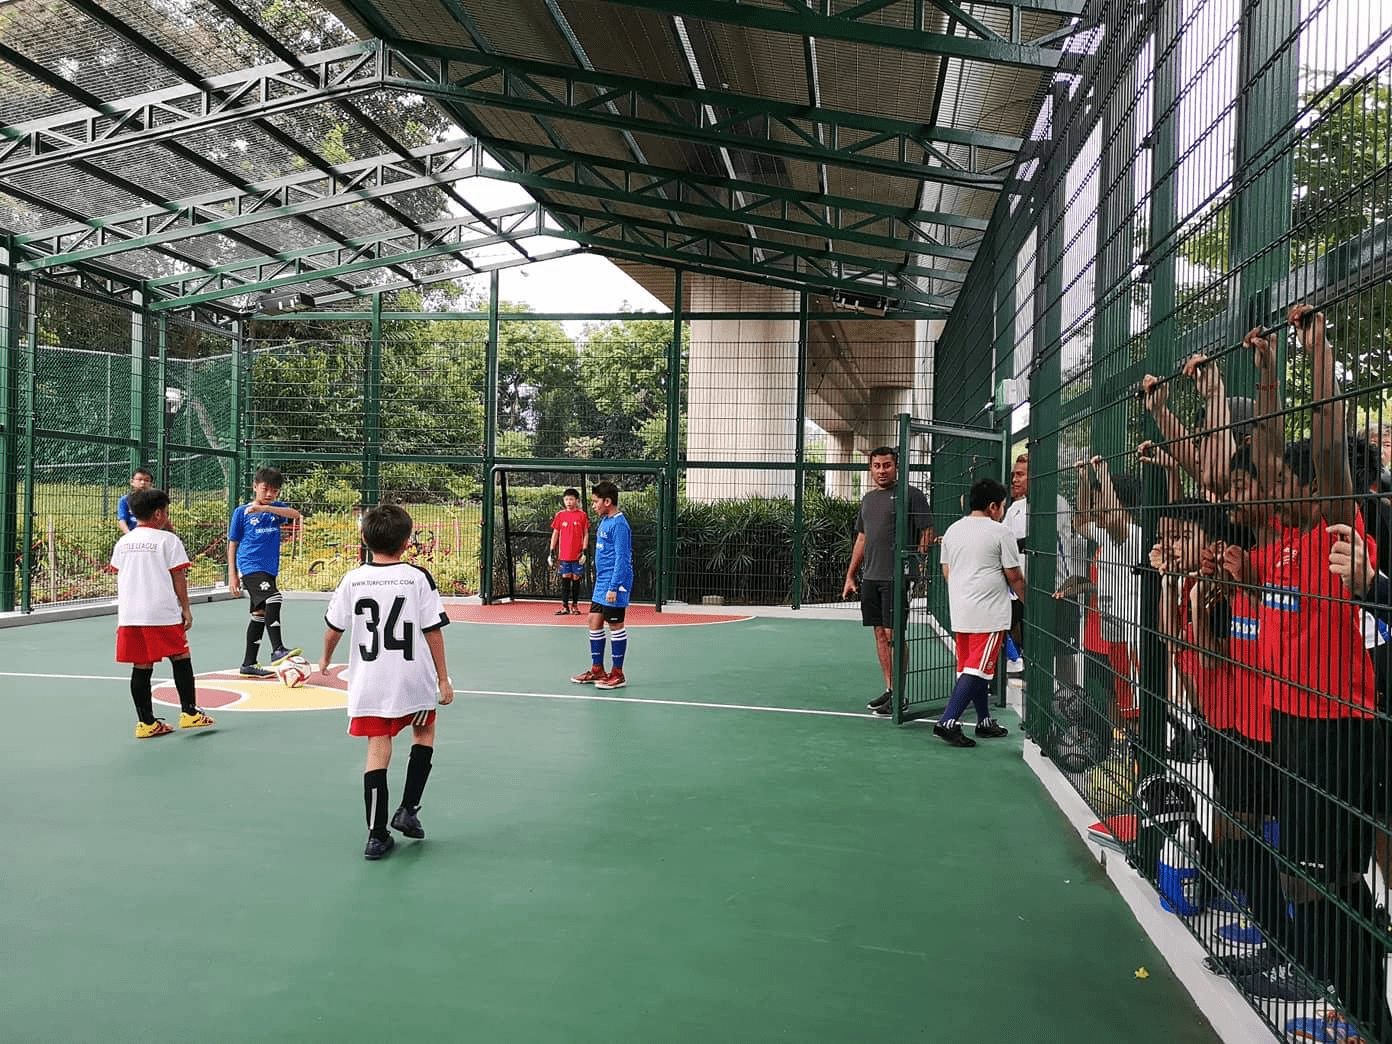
x: 527, y: 496
x: 950, y: 458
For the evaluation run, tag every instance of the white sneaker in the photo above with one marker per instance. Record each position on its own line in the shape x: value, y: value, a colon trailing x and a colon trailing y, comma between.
x: 1016, y: 666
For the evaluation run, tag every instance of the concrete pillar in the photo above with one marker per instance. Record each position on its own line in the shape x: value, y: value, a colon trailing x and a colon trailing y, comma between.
x: 742, y: 390
x: 840, y: 449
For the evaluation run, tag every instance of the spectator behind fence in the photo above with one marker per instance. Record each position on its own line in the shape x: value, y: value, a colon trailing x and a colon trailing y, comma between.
x: 1111, y: 619
x: 1066, y: 561
x: 1319, y: 680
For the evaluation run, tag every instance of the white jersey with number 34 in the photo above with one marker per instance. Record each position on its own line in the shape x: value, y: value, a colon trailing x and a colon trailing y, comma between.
x: 385, y: 612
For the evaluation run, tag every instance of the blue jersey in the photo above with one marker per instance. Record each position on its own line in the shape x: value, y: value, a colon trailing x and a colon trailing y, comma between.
x: 258, y: 539
x: 613, y: 560
x: 123, y: 512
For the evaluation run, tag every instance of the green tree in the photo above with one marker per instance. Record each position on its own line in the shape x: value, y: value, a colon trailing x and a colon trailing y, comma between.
x: 623, y: 368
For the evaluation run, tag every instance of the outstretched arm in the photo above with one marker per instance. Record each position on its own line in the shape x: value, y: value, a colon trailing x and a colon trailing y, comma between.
x: 1178, y: 442
x: 1333, y: 475
x: 1268, y: 439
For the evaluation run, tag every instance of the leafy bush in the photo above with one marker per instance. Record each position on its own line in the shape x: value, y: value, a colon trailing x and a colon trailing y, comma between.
x: 741, y: 550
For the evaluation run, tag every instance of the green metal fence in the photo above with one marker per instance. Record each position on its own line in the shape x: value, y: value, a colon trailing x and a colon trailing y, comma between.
x: 1203, y: 168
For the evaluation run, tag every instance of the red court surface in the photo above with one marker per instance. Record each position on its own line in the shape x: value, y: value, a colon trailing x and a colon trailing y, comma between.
x: 544, y: 613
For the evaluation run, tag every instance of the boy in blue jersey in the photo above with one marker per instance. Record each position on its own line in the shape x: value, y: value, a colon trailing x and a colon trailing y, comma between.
x: 613, y: 560
x: 141, y: 478
x: 253, y: 561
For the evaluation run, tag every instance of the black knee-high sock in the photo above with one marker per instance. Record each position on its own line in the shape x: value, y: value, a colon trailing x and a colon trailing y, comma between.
x: 572, y: 592
x: 184, y: 685
x: 417, y: 772
x: 1359, y: 963
x: 1250, y: 867
x: 375, y: 801
x: 140, y: 694
x: 255, y: 630
x: 273, y: 622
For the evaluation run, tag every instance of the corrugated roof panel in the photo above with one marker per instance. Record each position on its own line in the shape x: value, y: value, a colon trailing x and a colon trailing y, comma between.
x: 627, y: 40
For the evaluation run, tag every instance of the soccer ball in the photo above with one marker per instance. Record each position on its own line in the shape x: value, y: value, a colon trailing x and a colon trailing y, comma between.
x: 294, y: 672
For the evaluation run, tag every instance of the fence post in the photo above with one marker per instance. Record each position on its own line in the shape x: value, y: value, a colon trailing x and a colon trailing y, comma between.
x: 667, y: 532
x: 490, y: 441
x: 800, y: 452
x: 9, y: 416
x: 30, y: 419
x: 372, y: 408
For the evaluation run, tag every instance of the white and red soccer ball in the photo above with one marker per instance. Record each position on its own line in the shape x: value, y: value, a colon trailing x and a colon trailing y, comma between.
x: 294, y: 672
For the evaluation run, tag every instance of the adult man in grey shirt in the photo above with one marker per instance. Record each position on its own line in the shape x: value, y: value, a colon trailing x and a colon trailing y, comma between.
x: 874, y: 548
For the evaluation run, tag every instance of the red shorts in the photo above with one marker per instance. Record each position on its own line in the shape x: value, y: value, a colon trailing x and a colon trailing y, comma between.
x: 150, y: 643
x: 1124, y: 667
x: 369, y: 725
x: 978, y: 652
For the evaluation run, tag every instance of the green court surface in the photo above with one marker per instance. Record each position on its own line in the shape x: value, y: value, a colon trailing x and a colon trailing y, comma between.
x: 594, y: 871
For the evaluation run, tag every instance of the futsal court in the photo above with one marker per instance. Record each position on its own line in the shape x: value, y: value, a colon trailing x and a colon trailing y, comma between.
x: 729, y: 849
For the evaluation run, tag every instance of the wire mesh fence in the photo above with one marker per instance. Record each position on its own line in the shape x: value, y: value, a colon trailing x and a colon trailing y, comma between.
x: 1206, y: 476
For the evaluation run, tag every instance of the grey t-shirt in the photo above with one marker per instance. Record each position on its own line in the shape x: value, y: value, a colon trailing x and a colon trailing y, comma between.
x: 876, y: 521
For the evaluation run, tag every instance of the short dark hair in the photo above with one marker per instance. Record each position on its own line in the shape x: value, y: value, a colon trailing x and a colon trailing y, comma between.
x: 1299, y: 459
x: 270, y: 476
x: 606, y: 490
x: 1023, y: 458
x: 571, y: 492
x: 985, y: 492
x: 884, y: 451
x: 143, y: 503
x: 143, y: 471
x: 1128, y: 490
x: 386, y: 528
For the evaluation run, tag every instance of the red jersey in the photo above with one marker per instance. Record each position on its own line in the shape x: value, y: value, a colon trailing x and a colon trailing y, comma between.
x: 1092, y: 620
x: 1310, y: 635
x: 574, y: 527
x: 1230, y: 693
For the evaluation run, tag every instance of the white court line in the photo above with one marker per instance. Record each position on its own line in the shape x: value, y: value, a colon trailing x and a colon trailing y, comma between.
x: 592, y: 697
x: 672, y: 703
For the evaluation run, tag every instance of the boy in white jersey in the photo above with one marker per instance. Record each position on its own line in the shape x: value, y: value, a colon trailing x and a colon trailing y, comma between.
x: 397, y: 667
x: 981, y: 565
x: 152, y: 611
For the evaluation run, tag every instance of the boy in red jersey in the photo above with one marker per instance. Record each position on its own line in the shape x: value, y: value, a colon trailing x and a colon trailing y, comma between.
x: 153, y: 614
x: 1320, y: 682
x: 570, y: 531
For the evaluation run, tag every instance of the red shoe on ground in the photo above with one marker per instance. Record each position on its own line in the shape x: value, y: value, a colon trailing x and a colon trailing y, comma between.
x: 593, y: 676
x: 614, y: 680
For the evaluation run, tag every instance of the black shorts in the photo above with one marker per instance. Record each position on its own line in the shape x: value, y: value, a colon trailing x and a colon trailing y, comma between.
x: 1328, y: 791
x: 877, y: 603
x: 1243, y: 776
x: 1065, y: 627
x: 259, y: 587
x: 613, y: 614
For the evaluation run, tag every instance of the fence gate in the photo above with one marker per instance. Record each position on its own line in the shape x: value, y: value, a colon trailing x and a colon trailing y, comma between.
x: 951, y: 458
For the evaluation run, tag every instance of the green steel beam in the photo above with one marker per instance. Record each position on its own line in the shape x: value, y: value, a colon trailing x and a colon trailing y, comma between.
x: 124, y: 30
x: 69, y: 89
x: 719, y: 119
x: 174, y: 111
x: 756, y: 251
x: 910, y: 33
x: 209, y: 213
x: 361, y: 254
x: 712, y: 252
x: 818, y: 214
x: 214, y: 213
x: 625, y: 103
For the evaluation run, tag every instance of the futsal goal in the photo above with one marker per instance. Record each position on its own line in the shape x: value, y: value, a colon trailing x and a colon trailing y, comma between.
x: 526, y: 498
